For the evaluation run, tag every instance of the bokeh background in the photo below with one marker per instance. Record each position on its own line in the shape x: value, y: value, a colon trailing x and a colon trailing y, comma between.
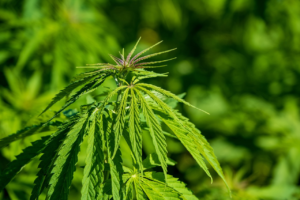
x: 237, y: 59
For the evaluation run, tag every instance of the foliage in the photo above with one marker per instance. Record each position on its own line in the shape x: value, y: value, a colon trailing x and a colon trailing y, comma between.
x: 103, y: 123
x: 237, y: 59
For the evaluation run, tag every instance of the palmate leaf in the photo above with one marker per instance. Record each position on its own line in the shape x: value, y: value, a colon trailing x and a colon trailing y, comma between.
x: 93, y: 176
x: 179, y: 127
x: 47, y: 159
x: 188, y: 135
x: 159, y: 189
x: 192, y: 139
x: 173, y: 183
x: 64, y: 165
x: 28, y: 131
x: 188, y: 142
x: 204, y: 147
x: 152, y: 186
x: 158, y: 138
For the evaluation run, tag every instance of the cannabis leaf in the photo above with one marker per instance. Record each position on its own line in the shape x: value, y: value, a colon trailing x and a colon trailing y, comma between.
x: 139, y: 107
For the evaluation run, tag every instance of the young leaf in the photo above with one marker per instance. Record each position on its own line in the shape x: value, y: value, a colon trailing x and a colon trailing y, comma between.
x: 137, y: 55
x: 64, y: 165
x: 132, y: 51
x: 158, y: 138
x: 142, y: 65
x: 152, y: 55
x: 145, y: 67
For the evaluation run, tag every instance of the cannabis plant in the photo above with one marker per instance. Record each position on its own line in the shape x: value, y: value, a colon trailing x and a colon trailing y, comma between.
x: 138, y: 107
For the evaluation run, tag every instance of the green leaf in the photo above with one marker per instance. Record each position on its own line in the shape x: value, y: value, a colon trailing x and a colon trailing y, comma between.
x: 120, y: 121
x: 140, y: 194
x: 132, y: 51
x: 143, y: 74
x: 135, y: 133
x: 21, y: 160
x: 204, y: 147
x: 65, y: 92
x: 87, y: 88
x: 184, y: 136
x: 179, y: 129
x: 129, y: 190
x: 93, y: 176
x: 173, y: 183
x: 144, y: 51
x: 159, y: 191
x: 172, y: 102
x: 153, y: 161
x: 194, y: 141
x: 64, y: 165
x: 47, y: 159
x: 107, y: 191
x: 169, y: 94
x: 143, y: 65
x: 84, y: 75
x: 152, y: 55
x: 28, y: 131
x: 116, y: 169
x: 158, y: 138
x: 109, y: 96
x: 152, y: 186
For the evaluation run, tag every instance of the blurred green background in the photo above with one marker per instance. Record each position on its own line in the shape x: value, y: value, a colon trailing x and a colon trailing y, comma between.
x: 237, y: 59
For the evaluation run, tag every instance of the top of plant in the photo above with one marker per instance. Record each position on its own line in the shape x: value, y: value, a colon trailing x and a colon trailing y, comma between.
x: 120, y: 71
x: 139, y: 107
x: 131, y: 62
